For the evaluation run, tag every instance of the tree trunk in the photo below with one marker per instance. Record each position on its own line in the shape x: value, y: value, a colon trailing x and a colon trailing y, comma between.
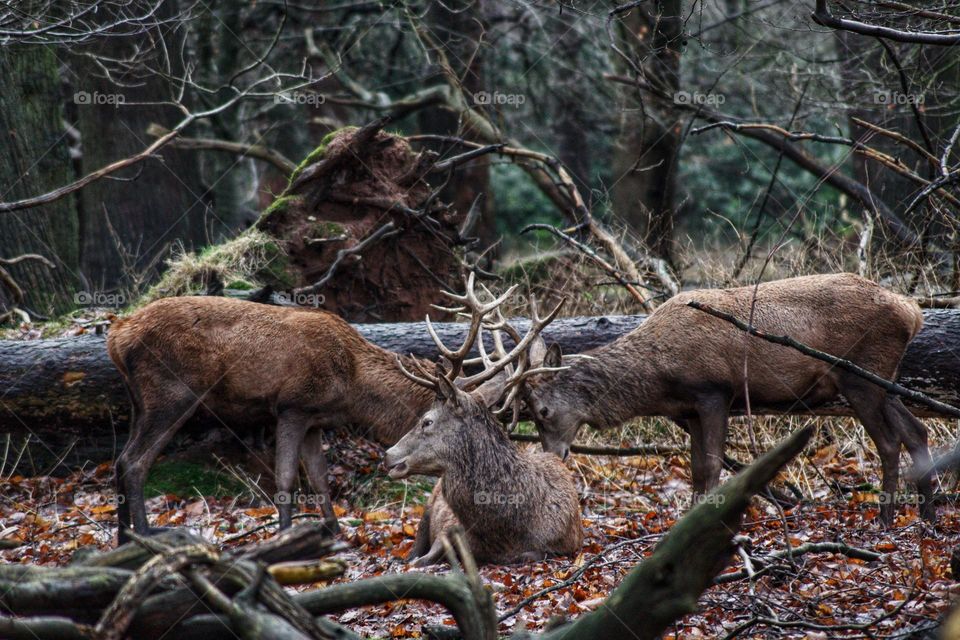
x: 645, y: 159
x: 459, y: 27
x: 34, y: 148
x: 128, y: 225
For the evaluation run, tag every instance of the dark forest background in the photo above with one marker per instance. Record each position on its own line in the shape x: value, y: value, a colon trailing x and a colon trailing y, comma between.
x: 700, y: 134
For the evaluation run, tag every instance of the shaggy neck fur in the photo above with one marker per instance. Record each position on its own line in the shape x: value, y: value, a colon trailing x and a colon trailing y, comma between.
x: 485, y: 475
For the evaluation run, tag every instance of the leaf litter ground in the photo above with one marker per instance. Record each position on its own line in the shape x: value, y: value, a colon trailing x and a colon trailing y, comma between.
x: 629, y: 504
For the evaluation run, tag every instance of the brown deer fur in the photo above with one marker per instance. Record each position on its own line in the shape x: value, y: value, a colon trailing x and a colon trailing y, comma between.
x: 514, y: 506
x: 689, y: 366
x: 302, y: 369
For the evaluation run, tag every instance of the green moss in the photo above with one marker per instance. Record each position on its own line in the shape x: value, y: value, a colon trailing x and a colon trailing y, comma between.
x: 254, y: 258
x: 241, y: 285
x: 327, y: 229
x: 317, y: 153
x: 189, y: 479
x: 279, y: 205
x: 526, y: 427
x: 277, y: 269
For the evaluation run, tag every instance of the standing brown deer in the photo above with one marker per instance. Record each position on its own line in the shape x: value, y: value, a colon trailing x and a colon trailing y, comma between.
x: 514, y: 506
x: 305, y: 370
x: 689, y: 366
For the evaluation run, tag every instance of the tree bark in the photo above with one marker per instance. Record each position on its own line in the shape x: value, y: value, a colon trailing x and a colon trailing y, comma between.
x: 127, y: 225
x: 34, y: 148
x: 647, y: 151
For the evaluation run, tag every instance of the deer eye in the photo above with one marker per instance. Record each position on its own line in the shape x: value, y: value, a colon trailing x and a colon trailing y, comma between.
x: 427, y: 422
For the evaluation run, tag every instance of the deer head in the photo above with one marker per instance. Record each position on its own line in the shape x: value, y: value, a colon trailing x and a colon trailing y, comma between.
x: 557, y: 415
x: 465, y: 402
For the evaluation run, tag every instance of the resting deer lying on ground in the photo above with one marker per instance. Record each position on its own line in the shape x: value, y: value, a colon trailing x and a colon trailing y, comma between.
x: 689, y: 366
x: 514, y: 506
x: 305, y: 370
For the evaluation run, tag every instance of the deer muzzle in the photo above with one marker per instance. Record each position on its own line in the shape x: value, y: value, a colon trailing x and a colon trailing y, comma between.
x: 396, y: 464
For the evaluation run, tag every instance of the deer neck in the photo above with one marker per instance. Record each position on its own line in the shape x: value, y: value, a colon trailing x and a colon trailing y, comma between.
x: 482, y: 473
x: 386, y: 401
x: 619, y: 382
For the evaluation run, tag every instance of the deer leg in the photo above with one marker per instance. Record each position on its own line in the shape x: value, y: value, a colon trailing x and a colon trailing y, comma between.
x: 432, y: 556
x: 712, y: 423
x: 291, y: 429
x: 697, y: 460
x: 868, y: 401
x: 914, y: 435
x: 421, y: 544
x: 315, y: 463
x: 152, y: 430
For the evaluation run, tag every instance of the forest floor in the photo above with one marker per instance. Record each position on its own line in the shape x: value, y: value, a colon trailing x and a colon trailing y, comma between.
x: 629, y: 504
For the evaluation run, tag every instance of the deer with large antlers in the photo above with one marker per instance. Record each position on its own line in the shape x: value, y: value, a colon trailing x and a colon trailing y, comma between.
x: 690, y: 366
x: 514, y: 506
x: 303, y: 369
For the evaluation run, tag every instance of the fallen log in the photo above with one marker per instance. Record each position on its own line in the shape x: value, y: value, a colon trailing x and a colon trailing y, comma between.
x: 67, y: 392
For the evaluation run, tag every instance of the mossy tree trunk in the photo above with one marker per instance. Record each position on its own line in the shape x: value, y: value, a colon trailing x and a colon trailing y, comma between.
x: 35, y: 151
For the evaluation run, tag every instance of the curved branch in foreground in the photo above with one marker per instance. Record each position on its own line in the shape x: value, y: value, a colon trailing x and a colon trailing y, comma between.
x: 666, y: 585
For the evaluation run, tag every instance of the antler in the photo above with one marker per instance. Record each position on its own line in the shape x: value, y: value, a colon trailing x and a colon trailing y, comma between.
x: 477, y: 311
x: 520, y: 349
x: 512, y: 386
x: 516, y: 362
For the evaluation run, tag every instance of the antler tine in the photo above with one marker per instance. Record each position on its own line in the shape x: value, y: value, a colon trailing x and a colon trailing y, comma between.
x: 514, y: 382
x: 510, y: 400
x: 484, y: 356
x: 537, y: 325
x: 502, y: 325
x: 448, y: 309
x: 429, y: 381
x: 478, y: 313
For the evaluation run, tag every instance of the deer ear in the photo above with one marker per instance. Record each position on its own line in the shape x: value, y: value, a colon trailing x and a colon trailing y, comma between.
x: 553, y: 358
x: 446, y: 391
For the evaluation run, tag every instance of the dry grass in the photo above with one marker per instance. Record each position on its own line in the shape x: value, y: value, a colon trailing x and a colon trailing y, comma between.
x: 837, y: 439
x: 238, y: 263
